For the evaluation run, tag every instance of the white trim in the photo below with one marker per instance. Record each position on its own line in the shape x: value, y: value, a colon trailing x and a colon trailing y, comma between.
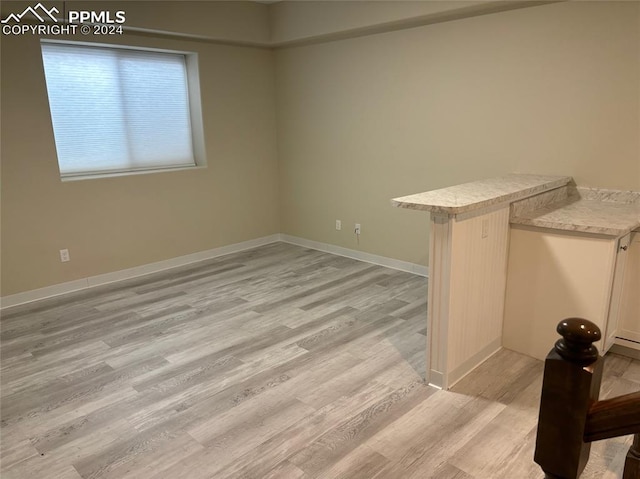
x: 628, y: 343
x: 115, y: 276
x: 630, y: 349
x: 359, y: 255
x: 628, y: 335
x: 435, y: 378
x: 438, y: 299
x: 474, y: 362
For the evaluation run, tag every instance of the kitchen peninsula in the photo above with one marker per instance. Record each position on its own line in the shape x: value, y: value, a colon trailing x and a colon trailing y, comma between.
x: 495, y: 280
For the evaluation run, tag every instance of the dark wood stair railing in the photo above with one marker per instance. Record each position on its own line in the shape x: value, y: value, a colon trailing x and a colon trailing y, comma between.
x: 571, y: 417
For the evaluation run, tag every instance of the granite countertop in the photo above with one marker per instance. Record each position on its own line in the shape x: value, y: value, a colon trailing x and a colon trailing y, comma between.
x: 586, y: 210
x: 481, y: 194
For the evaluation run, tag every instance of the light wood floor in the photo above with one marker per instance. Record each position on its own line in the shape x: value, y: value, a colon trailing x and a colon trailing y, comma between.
x: 279, y: 362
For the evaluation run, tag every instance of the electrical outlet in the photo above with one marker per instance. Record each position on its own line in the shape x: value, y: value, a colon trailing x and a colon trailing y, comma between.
x: 64, y: 255
x: 357, y: 230
x: 338, y: 225
x: 485, y: 227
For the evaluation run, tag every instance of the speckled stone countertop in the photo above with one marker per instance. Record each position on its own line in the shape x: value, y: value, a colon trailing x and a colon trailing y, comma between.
x: 586, y: 210
x: 481, y: 194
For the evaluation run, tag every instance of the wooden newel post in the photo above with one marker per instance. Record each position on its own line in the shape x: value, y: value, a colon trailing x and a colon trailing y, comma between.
x: 632, y: 464
x: 572, y: 375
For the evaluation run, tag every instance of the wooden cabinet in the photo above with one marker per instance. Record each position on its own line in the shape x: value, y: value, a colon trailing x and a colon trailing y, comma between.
x: 553, y: 275
x: 628, y: 328
x: 615, y: 303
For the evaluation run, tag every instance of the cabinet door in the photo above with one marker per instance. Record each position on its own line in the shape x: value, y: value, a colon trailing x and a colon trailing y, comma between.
x: 552, y: 276
x: 616, y: 291
x: 629, y: 326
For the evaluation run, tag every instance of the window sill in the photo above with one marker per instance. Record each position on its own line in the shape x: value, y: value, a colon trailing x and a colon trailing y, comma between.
x: 97, y: 176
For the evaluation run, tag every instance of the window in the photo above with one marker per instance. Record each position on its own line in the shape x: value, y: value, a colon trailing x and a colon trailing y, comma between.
x: 117, y: 110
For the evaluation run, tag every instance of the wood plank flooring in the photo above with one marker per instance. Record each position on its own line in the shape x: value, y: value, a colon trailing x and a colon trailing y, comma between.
x: 278, y: 362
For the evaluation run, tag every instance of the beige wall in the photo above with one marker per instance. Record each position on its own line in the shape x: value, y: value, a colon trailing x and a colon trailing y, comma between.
x: 116, y: 223
x: 240, y: 21
x: 552, y: 89
x: 299, y: 20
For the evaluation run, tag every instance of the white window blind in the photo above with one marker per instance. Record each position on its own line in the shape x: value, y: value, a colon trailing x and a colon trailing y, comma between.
x: 117, y: 110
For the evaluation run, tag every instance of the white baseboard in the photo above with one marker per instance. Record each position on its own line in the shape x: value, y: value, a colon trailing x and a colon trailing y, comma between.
x: 627, y: 343
x: 440, y: 380
x: 630, y: 349
x: 473, y: 362
x: 124, y: 274
x: 359, y: 255
x: 130, y: 273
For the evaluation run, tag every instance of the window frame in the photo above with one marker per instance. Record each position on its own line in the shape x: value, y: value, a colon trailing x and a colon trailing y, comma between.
x: 194, y: 105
